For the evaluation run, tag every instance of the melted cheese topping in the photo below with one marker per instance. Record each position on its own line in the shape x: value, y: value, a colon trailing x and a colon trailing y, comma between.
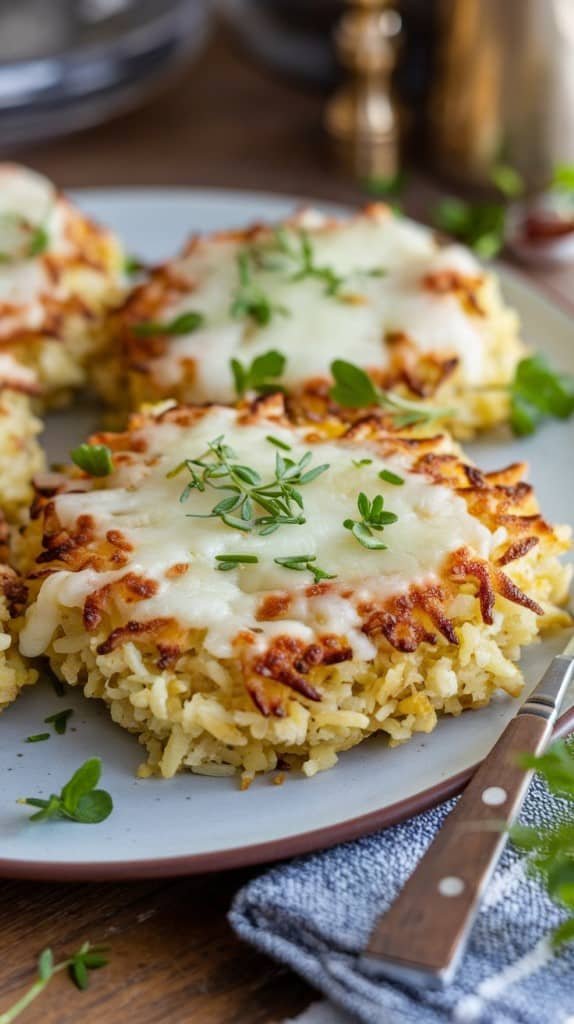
x: 320, y: 327
x: 28, y: 202
x: 141, y: 502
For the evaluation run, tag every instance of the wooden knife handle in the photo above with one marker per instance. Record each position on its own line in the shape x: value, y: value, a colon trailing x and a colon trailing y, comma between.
x: 424, y: 932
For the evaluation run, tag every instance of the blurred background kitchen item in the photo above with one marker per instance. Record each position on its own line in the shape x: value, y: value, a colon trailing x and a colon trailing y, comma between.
x: 503, y: 88
x: 67, y: 64
x: 362, y: 118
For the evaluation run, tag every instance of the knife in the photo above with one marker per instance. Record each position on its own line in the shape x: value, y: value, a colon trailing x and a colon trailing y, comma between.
x: 423, y: 935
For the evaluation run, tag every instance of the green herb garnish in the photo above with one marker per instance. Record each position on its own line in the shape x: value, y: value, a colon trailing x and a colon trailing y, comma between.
x: 227, y: 562
x: 385, y: 187
x: 362, y: 462
x: 551, y: 847
x: 507, y: 180
x: 302, y: 563
x: 278, y: 499
x: 133, y: 265
x: 563, y: 178
x: 185, y: 323
x: 480, y: 225
x: 259, y: 375
x: 278, y: 443
x: 354, y: 389
x: 391, y: 478
x: 87, y: 958
x: 60, y: 720
x: 94, y: 459
x: 374, y: 517
x: 78, y: 800
x: 38, y: 737
x: 33, y: 240
x: 537, y: 393
x: 250, y: 300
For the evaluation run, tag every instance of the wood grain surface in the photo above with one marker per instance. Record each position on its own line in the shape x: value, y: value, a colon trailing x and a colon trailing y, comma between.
x: 174, y: 959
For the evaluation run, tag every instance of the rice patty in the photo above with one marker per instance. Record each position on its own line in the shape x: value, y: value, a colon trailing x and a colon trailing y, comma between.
x: 377, y: 290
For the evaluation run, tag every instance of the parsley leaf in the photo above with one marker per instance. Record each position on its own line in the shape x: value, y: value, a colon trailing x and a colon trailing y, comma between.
x: 354, y: 389
x: 94, y: 459
x: 78, y: 800
x: 259, y: 375
x: 478, y: 225
x: 374, y: 517
x: 185, y: 323
x: 537, y: 393
x: 87, y: 958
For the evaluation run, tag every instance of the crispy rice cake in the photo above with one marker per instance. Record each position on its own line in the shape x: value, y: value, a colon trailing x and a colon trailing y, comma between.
x: 59, y: 273
x: 377, y: 290
x: 139, y: 595
x: 14, y: 672
x: 20, y: 454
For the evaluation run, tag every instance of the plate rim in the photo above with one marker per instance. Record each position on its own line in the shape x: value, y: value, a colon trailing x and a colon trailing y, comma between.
x: 267, y: 852
x: 313, y: 839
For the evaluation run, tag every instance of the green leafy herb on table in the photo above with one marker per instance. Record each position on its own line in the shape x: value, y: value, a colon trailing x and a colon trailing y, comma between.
x: 354, y: 389
x: 539, y: 392
x: 249, y: 299
x: 480, y: 225
x: 279, y: 499
x: 185, y: 323
x: 374, y: 517
x: 302, y: 563
x: 94, y: 459
x: 550, y: 848
x: 87, y: 958
x: 260, y: 376
x: 79, y: 800
x: 38, y: 737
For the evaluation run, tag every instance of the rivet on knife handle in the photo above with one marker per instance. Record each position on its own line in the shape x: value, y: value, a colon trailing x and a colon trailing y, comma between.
x: 424, y: 933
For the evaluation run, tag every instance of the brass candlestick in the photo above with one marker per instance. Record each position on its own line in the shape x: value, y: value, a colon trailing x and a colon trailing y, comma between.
x: 361, y: 118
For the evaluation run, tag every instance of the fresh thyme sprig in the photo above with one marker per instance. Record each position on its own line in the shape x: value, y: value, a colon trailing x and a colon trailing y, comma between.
x: 259, y: 375
x: 551, y: 847
x: 302, y: 563
x: 278, y: 443
x: 185, y: 323
x: 294, y: 252
x: 227, y: 562
x: 537, y: 393
x: 374, y: 517
x: 278, y: 499
x: 250, y: 300
x: 354, y: 389
x: 95, y: 459
x: 87, y: 958
x: 79, y: 800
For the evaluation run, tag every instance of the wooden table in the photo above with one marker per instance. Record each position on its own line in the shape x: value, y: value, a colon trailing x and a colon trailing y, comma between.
x: 173, y: 956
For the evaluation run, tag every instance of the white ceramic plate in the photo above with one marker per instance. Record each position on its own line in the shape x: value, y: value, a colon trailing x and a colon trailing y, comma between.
x: 193, y: 823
